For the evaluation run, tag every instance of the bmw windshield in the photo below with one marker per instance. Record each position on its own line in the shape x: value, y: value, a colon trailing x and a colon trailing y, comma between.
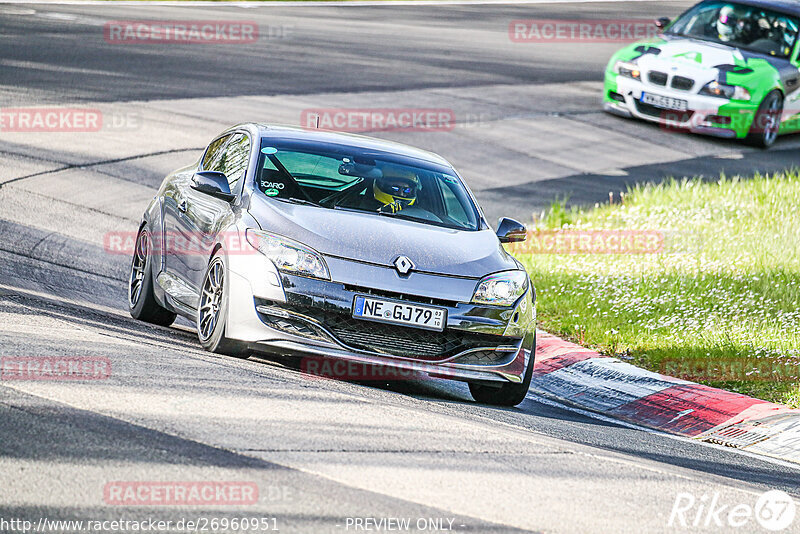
x: 739, y: 25
x: 339, y: 177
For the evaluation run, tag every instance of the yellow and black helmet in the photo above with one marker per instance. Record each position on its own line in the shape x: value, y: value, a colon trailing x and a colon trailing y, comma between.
x: 397, y: 187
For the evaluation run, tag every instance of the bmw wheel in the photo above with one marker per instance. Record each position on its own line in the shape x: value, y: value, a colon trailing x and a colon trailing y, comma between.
x: 506, y: 394
x: 212, y: 311
x: 141, y: 300
x: 767, y: 121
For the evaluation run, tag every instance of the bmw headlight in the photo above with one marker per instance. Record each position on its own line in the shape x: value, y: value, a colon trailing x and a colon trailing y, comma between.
x: 501, y: 289
x: 627, y: 69
x: 722, y: 90
x: 287, y: 255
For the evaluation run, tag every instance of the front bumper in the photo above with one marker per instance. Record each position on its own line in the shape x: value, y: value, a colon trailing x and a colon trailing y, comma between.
x: 705, y: 114
x: 310, y: 317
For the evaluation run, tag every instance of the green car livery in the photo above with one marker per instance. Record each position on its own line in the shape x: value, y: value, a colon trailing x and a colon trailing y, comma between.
x: 727, y: 69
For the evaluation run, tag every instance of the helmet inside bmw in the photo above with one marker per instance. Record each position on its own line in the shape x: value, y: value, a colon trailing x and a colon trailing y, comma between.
x: 729, y: 23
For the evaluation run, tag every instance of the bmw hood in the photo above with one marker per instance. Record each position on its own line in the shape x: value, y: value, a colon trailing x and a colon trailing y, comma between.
x: 380, y: 240
x: 701, y: 61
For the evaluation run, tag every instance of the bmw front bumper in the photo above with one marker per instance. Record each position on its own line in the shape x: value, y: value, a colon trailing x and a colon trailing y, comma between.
x: 705, y: 115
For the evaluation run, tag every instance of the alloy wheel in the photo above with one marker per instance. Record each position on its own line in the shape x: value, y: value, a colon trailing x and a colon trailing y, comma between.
x: 138, y: 268
x: 211, y: 299
x: 772, y: 122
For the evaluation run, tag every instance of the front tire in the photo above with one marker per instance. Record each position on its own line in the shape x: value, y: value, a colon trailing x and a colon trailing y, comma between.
x: 507, y: 394
x: 212, y: 311
x: 142, y: 302
x: 767, y: 122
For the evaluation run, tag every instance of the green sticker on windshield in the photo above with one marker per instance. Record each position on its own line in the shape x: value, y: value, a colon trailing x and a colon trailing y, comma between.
x: 269, y: 150
x: 271, y: 192
x: 449, y: 179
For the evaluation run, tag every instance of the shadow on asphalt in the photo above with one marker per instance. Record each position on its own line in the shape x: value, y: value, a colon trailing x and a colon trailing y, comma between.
x: 561, y: 423
x: 450, y: 397
x: 589, y: 189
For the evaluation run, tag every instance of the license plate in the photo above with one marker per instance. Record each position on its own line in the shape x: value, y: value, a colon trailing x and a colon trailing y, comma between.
x: 665, y: 102
x: 402, y: 313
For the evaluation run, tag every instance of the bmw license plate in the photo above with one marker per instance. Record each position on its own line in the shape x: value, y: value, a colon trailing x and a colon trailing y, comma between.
x: 394, y: 312
x: 665, y: 102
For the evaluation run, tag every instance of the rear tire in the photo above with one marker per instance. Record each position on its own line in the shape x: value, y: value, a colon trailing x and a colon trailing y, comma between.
x: 508, y: 394
x: 142, y: 302
x: 767, y: 122
x: 212, y: 311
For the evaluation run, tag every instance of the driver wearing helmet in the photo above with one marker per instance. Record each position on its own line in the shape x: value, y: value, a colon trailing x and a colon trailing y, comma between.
x: 730, y: 25
x: 395, y: 190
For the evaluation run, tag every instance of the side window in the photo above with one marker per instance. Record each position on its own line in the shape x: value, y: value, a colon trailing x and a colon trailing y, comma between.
x: 212, y: 151
x: 453, y: 208
x: 233, y: 160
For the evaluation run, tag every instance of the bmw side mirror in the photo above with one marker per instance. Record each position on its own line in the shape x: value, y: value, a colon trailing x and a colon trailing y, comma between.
x: 662, y: 23
x: 511, y: 231
x: 213, y: 183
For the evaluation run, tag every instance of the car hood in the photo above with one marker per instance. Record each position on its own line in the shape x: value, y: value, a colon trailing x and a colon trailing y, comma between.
x: 701, y: 61
x: 380, y: 240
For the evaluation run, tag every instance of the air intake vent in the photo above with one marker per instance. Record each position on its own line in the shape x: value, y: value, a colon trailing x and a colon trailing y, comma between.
x: 658, y: 78
x: 382, y: 338
x: 681, y: 83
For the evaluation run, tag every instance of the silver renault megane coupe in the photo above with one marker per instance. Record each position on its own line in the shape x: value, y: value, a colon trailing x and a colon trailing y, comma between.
x: 311, y: 243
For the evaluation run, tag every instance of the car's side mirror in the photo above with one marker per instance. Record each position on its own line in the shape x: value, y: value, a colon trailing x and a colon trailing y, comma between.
x: 511, y: 231
x: 662, y: 23
x: 213, y: 183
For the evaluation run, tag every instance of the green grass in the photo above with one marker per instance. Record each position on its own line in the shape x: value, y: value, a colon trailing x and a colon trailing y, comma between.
x: 726, y: 287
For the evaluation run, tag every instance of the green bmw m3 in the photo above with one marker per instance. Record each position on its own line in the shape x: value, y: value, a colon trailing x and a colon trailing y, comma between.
x: 726, y: 69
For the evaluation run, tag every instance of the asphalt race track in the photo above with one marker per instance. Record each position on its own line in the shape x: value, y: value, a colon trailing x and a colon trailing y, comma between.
x: 323, y: 453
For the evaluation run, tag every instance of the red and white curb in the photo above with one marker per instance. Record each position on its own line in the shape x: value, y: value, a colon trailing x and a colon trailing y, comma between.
x: 583, y: 378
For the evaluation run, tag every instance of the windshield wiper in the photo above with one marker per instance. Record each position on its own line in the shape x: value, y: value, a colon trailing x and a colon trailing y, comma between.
x: 400, y: 215
x: 295, y: 200
x: 405, y: 217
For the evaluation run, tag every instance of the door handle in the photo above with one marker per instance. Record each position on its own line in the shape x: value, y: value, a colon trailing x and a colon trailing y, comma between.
x: 182, y: 205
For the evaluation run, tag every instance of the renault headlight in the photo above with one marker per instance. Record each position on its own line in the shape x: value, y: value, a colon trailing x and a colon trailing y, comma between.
x: 501, y: 289
x: 721, y: 90
x: 287, y: 255
x: 627, y: 69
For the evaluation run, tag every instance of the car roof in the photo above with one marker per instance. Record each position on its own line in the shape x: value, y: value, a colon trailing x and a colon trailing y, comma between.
x: 279, y: 132
x: 790, y: 7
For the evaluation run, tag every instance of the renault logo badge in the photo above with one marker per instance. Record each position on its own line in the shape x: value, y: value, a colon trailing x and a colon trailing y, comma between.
x: 403, y: 265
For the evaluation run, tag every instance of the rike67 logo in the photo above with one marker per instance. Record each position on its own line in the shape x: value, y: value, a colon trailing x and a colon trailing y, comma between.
x: 774, y: 510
